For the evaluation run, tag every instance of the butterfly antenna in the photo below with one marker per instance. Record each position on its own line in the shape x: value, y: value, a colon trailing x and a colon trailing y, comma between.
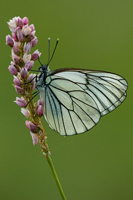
x: 48, y: 50
x: 53, y: 51
x: 40, y: 61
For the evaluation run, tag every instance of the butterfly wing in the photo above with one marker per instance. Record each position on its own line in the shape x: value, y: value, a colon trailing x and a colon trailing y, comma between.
x: 75, y: 99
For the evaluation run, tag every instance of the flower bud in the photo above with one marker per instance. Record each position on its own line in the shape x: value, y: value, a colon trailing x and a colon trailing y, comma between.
x: 20, y: 101
x: 29, y: 65
x: 40, y: 106
x: 34, y: 41
x: 33, y: 128
x: 12, y: 63
x: 31, y: 77
x: 13, y: 70
x: 14, y: 36
x: 16, y: 50
x: 17, y: 44
x: 16, y: 29
x: 32, y: 34
x: 34, y: 138
x: 30, y: 37
x: 24, y: 72
x: 17, y: 81
x: 27, y: 47
x: 16, y: 66
x: 32, y: 27
x: 27, y: 123
x: 26, y: 30
x: 26, y: 58
x: 15, y: 59
x: 25, y: 112
x: 40, y: 102
x: 35, y: 55
x: 9, y: 40
x: 17, y: 20
x: 25, y: 21
x: 19, y: 90
x: 40, y: 110
x: 12, y: 24
x: 20, y: 35
x: 18, y: 61
x: 20, y: 23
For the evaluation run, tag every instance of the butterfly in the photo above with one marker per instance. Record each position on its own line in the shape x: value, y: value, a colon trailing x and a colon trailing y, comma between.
x: 76, y: 99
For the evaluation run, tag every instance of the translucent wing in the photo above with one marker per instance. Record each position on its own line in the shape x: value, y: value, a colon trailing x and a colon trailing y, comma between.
x: 75, y: 99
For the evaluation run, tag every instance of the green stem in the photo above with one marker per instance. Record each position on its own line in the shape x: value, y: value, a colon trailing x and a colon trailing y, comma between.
x: 56, y: 177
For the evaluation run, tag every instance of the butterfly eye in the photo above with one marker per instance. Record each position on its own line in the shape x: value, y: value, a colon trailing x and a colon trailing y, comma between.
x: 42, y: 68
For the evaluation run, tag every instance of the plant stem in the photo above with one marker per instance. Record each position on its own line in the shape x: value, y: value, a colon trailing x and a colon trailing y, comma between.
x: 56, y: 177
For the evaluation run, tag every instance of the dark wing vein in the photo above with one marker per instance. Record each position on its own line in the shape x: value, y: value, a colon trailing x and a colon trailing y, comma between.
x: 77, y: 107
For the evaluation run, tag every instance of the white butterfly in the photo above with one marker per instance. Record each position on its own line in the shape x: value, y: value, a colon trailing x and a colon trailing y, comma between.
x: 75, y: 99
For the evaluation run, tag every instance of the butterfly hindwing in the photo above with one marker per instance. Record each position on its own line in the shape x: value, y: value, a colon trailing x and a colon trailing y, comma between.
x: 75, y: 99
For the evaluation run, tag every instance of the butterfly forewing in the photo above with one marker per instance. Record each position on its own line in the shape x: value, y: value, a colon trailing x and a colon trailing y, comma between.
x: 75, y: 99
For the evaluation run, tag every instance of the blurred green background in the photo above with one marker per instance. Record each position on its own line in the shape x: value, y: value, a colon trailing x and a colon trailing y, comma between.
x: 97, y: 165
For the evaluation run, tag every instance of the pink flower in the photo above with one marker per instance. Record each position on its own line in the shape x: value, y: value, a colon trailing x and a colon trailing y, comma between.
x: 35, y: 55
x: 25, y: 112
x: 16, y: 50
x: 31, y: 77
x: 25, y: 21
x: 20, y: 22
x: 34, y: 41
x: 9, y: 40
x: 40, y: 106
x: 27, y: 123
x: 26, y: 58
x: 40, y: 102
x: 40, y: 111
x: 17, y: 20
x: 32, y: 27
x: 32, y: 34
x: 24, y: 72
x: 13, y: 70
x: 19, y: 90
x: 33, y: 128
x: 12, y: 24
x: 20, y: 35
x: 26, y: 30
x: 27, y: 47
x: 17, y: 44
x: 29, y: 65
x: 17, y: 81
x: 34, y: 138
x: 22, y: 40
x: 20, y: 101
x: 14, y: 36
x: 16, y: 59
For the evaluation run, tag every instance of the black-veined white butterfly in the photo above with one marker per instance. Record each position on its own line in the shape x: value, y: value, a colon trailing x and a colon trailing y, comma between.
x: 75, y: 99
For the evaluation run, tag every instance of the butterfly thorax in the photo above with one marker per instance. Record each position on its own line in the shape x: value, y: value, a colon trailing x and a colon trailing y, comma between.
x: 41, y: 78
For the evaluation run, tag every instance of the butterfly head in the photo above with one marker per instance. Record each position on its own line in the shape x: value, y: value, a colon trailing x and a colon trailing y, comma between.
x: 43, y: 68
